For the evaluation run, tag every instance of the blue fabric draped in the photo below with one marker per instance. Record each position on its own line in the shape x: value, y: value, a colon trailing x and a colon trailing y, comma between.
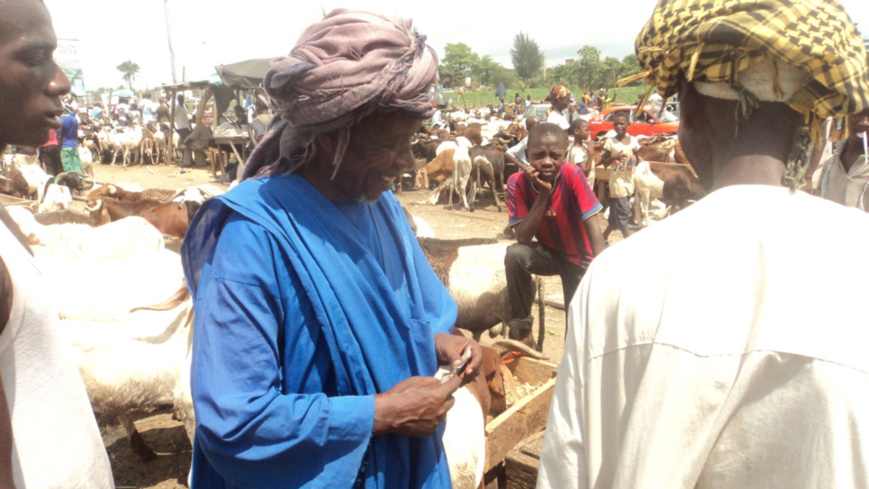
x: 355, y: 273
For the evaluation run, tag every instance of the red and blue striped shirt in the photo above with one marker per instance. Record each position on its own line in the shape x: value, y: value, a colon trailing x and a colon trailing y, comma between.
x: 570, y: 203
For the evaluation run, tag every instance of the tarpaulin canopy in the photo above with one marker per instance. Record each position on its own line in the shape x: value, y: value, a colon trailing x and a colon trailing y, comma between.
x: 244, y: 74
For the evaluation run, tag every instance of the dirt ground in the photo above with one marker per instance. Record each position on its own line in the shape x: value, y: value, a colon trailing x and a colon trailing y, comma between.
x: 167, y: 436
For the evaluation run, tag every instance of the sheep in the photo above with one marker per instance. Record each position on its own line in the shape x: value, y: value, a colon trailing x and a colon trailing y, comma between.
x: 56, y: 198
x: 462, y: 177
x: 105, y: 290
x: 473, y: 271
x: 464, y: 436
x: 36, y: 179
x: 115, y: 240
x: 134, y: 365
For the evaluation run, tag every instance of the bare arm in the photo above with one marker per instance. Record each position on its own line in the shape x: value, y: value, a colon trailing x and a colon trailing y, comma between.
x: 587, y: 165
x: 526, y: 230
x: 595, y: 237
x: 6, y: 444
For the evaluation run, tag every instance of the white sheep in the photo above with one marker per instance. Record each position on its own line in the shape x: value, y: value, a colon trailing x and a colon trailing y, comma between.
x: 133, y: 365
x: 106, y: 290
x: 109, y: 242
x: 56, y: 198
x: 473, y: 271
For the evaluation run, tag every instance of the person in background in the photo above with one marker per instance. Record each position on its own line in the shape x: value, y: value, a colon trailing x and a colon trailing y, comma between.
x: 620, y: 156
x: 554, y: 214
x: 518, y: 105
x: 596, y: 101
x: 319, y: 322
x: 135, y: 113
x: 724, y: 347
x: 148, y: 108
x: 518, y: 152
x: 845, y: 178
x: 582, y: 152
x: 48, y: 434
x: 96, y: 113
x: 49, y: 155
x: 240, y: 116
x: 163, y: 113
x: 69, y: 158
x: 527, y: 102
x: 121, y: 112
x: 559, y: 97
x: 256, y: 130
x: 195, y: 144
x: 182, y: 124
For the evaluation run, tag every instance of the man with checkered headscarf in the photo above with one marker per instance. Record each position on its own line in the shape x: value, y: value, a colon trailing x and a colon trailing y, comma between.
x: 716, y: 350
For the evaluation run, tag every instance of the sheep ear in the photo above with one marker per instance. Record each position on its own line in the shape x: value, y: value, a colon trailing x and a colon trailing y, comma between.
x: 496, y: 382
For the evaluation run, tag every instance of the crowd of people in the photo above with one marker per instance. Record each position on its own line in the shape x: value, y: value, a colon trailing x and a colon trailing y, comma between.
x: 719, y: 348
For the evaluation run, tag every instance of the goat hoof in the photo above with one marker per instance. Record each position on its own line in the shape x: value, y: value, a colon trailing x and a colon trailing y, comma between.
x: 142, y: 451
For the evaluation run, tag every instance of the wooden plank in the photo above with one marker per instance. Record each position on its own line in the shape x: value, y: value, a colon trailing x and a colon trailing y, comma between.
x: 601, y: 174
x: 531, y: 371
x: 525, y: 417
x: 10, y: 200
x: 523, y: 463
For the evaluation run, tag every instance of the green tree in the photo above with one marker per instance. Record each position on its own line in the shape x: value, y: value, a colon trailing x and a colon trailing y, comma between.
x: 588, y: 67
x: 485, y: 69
x: 630, y: 66
x: 526, y: 56
x: 562, y: 74
x: 448, y: 78
x: 130, y: 70
x: 608, y: 72
x: 459, y: 59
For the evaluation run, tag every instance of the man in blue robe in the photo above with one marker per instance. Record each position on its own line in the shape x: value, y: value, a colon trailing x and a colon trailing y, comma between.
x: 319, y: 322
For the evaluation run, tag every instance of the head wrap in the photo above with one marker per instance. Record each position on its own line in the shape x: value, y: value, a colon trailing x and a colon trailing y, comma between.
x: 558, y: 92
x: 344, y: 68
x: 813, y: 42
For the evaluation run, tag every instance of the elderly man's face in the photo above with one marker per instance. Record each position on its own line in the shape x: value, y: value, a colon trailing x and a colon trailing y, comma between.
x: 31, y: 84
x: 377, y: 155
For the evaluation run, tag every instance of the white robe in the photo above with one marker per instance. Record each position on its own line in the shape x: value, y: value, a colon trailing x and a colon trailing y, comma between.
x: 723, y: 348
x: 56, y: 440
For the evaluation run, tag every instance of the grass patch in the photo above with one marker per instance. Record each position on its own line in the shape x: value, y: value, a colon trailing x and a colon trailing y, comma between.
x: 485, y: 96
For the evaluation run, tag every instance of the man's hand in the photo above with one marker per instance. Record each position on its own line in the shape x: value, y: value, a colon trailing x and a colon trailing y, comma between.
x: 450, y: 348
x: 414, y: 407
x: 534, y: 175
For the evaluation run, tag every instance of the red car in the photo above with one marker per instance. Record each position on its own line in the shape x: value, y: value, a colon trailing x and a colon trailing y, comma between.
x: 647, y: 124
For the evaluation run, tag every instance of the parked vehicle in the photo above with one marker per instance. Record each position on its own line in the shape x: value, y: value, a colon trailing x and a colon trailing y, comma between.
x: 646, y: 124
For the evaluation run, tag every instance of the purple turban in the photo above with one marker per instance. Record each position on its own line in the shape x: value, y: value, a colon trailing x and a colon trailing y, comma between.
x: 344, y: 68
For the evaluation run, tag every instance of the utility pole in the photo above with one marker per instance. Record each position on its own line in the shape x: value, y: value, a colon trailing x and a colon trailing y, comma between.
x: 169, y: 39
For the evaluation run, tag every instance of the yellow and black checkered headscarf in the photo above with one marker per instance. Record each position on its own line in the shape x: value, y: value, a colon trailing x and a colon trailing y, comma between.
x: 713, y: 40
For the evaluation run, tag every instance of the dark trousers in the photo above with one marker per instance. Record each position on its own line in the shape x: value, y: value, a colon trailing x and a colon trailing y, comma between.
x: 49, y: 156
x: 620, y: 214
x: 523, y: 260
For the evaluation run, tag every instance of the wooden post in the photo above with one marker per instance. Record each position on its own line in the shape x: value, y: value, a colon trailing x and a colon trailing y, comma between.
x: 171, y: 140
x: 200, y: 109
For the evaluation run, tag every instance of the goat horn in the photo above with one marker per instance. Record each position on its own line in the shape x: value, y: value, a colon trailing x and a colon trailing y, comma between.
x: 522, y: 347
x: 97, y: 205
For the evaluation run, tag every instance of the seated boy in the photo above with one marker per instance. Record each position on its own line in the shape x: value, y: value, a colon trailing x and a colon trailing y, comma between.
x: 549, y: 200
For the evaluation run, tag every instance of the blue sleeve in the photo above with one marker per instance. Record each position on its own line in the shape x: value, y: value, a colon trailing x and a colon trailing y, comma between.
x: 258, y: 417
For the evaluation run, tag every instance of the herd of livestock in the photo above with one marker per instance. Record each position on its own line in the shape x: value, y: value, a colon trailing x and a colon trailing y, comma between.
x: 132, y: 339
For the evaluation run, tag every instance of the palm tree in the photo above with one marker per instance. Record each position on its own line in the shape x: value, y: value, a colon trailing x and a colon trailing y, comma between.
x: 130, y: 70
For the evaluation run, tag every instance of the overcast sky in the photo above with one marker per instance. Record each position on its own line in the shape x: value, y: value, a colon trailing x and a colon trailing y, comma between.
x: 208, y: 33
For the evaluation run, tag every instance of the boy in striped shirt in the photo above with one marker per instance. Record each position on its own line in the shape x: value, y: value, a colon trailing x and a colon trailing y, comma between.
x: 552, y: 209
